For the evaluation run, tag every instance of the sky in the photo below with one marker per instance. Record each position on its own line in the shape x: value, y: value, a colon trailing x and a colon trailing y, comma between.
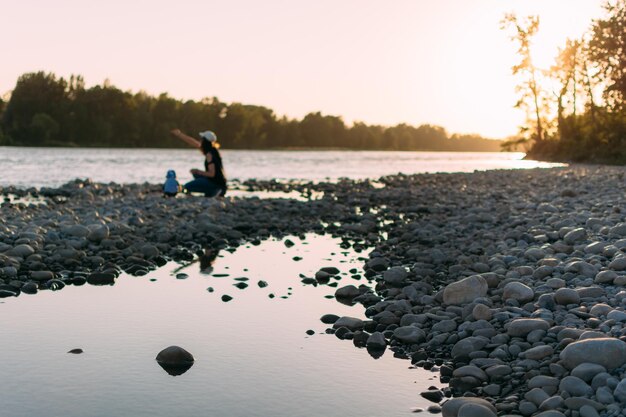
x: 443, y: 62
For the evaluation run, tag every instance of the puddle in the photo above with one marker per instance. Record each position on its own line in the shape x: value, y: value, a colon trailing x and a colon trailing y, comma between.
x: 253, y: 354
x: 25, y: 200
x: 294, y: 195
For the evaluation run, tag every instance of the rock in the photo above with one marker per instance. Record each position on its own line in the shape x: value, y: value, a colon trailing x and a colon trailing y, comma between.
x: 465, y: 291
x: 575, y: 236
x: 464, y: 347
x: 329, y: 318
x: 565, y: 296
x: 588, y: 411
x: 101, y: 278
x: 550, y: 413
x: 618, y: 264
x: 350, y: 323
x: 409, y: 334
x: 226, y: 298
x: 395, y: 275
x: 76, y: 351
x: 451, y: 407
x: 482, y: 312
x: 575, y: 387
x: 620, y: 391
x: 23, y: 251
x: 475, y: 410
x: 605, y: 277
x: 518, y: 291
x: 376, y: 341
x: 538, y: 352
x: 175, y: 360
x: 347, y: 293
x: 607, y: 352
x: 98, y: 234
x: 76, y: 230
x: 521, y: 327
x: 41, y: 275
x: 586, y: 371
x: 432, y: 395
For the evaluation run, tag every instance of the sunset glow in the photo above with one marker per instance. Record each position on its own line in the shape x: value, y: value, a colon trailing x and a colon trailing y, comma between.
x: 445, y: 62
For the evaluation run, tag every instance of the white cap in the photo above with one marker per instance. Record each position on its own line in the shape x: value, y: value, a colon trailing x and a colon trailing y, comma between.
x: 208, y: 135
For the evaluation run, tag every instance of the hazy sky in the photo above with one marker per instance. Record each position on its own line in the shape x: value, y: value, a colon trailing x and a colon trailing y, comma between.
x: 444, y: 62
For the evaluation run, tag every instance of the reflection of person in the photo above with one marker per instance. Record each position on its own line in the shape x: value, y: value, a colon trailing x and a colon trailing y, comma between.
x: 207, y: 260
x: 211, y: 181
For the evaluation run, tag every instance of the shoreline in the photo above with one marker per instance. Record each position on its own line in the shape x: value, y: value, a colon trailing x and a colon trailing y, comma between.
x: 498, y: 279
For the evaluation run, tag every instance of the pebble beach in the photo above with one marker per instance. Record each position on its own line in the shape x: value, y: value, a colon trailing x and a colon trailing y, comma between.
x: 511, y: 284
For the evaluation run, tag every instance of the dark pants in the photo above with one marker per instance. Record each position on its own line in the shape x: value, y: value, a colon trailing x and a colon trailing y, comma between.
x: 204, y: 185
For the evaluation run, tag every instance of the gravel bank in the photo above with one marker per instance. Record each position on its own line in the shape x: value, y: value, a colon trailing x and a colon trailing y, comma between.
x: 509, y: 283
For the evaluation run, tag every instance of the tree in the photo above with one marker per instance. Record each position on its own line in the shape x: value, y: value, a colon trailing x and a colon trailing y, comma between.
x: 35, y: 93
x: 607, y: 49
x: 531, y: 94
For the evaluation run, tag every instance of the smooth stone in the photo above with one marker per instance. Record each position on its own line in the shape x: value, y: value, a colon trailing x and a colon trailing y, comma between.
x: 175, y: 360
x: 575, y: 387
x: 465, y: 291
x: 538, y: 352
x: 575, y: 236
x: 470, y: 370
x: 588, y: 411
x: 42, y: 275
x: 376, y: 341
x: 475, y: 410
x: 518, y: 291
x: 605, y: 277
x: 550, y: 413
x: 482, y: 312
x: 351, y: 323
x: 329, y: 318
x: 586, y: 371
x: 22, y: 251
x: 521, y: 327
x: 464, y: 347
x: 409, y: 334
x: 348, y: 292
x: 101, y: 278
x: 451, y: 407
x: 395, y: 275
x: 600, y: 309
x: 174, y: 355
x: 608, y: 352
x: 565, y: 296
x: 620, y: 391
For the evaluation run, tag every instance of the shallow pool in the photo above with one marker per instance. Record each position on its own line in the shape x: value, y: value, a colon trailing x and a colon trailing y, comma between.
x: 253, y: 356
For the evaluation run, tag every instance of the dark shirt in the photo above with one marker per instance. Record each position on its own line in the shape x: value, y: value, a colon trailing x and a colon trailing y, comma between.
x: 219, y: 178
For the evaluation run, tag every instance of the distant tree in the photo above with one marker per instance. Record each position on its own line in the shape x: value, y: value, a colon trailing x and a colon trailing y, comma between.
x: 35, y: 93
x: 532, y: 97
x: 46, y: 110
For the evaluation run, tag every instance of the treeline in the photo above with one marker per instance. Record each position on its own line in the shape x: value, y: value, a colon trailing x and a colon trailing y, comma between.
x: 44, y: 110
x: 576, y: 108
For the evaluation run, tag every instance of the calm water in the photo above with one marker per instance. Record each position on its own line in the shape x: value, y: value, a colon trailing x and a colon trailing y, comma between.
x: 253, y: 357
x: 27, y: 167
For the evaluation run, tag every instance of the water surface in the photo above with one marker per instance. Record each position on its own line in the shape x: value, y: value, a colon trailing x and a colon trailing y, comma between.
x: 253, y: 357
x: 36, y: 167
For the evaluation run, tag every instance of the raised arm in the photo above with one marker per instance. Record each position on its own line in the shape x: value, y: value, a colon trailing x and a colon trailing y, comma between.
x: 187, y: 139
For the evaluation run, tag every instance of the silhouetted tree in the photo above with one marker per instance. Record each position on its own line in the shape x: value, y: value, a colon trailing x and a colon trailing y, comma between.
x: 531, y: 94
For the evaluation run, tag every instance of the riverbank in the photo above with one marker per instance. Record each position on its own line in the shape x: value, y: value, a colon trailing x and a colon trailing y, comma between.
x: 508, y: 282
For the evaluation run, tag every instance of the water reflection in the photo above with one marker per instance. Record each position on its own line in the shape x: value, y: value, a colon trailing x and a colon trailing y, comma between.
x: 253, y: 354
x: 207, y: 259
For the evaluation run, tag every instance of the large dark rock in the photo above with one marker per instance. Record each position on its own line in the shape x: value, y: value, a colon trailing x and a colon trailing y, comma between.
x: 175, y: 360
